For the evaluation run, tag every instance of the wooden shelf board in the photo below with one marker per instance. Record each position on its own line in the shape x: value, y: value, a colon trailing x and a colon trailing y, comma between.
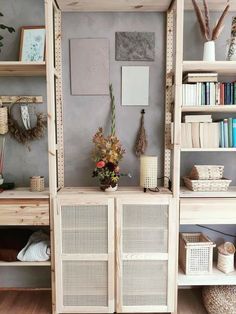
x: 25, y: 301
x: 219, y: 108
x: 215, y: 278
x: 221, y: 67
x: 22, y: 264
x: 19, y: 68
x: 24, y: 193
x: 214, y: 5
x: 190, y: 302
x: 208, y: 149
x: 184, y: 192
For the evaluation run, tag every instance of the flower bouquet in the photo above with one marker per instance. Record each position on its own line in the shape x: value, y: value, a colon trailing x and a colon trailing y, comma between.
x: 107, y: 153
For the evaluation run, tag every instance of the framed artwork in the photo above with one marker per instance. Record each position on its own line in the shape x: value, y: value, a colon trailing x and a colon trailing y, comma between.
x: 135, y: 85
x: 135, y: 46
x: 32, y: 45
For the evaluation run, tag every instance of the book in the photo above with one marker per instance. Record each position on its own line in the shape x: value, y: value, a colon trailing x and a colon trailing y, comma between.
x: 234, y: 133
x: 230, y: 129
x: 226, y: 133
x: 195, y: 135
x: 200, y: 77
x: 197, y: 118
x: 222, y: 137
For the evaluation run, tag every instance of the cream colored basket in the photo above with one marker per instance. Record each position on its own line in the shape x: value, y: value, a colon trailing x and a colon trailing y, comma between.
x: 195, y: 253
x: 225, y: 262
x: 207, y: 185
x: 207, y: 172
x: 3, y: 120
x: 36, y: 184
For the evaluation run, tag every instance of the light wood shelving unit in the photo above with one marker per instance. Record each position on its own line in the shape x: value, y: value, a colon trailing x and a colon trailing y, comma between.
x: 217, y: 108
x: 221, y: 67
x: 25, y: 264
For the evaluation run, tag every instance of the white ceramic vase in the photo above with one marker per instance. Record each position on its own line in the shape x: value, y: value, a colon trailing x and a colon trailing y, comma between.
x: 209, y: 51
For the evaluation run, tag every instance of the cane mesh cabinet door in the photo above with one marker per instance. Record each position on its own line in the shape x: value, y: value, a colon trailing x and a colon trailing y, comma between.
x: 143, y: 263
x: 85, y: 256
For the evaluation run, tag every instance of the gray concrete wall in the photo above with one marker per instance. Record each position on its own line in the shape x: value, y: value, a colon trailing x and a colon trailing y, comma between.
x: 84, y: 114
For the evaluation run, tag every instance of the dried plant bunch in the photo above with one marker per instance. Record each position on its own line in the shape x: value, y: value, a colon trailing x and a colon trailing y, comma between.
x: 204, y: 20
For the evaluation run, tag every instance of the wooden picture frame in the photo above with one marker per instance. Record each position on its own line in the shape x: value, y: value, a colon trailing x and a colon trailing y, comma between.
x: 33, y: 51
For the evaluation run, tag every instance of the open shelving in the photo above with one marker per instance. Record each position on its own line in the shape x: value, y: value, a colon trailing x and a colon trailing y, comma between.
x: 20, y: 68
x: 186, y: 193
x: 221, y: 67
x: 25, y: 264
x: 217, y: 108
x: 215, y: 278
x: 219, y: 149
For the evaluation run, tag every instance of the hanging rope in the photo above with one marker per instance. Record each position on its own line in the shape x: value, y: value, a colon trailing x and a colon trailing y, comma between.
x: 141, y: 141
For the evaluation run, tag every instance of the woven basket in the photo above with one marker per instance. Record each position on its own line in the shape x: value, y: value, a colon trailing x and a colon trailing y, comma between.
x: 207, y: 185
x: 3, y: 120
x: 219, y: 299
x: 195, y: 253
x: 37, y: 184
x: 207, y: 172
x: 225, y: 261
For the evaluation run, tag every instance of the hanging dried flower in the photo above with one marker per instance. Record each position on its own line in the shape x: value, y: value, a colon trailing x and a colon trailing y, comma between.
x: 141, y: 141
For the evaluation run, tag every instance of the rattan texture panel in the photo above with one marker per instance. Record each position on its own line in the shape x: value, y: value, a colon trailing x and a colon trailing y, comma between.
x: 145, y: 228
x: 84, y: 229
x: 144, y: 283
x: 85, y: 283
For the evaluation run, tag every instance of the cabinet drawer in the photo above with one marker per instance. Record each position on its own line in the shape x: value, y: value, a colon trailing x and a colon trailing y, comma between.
x: 24, y: 212
x: 208, y: 211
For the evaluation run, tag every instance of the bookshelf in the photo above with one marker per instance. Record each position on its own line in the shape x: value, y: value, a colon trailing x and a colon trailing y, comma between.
x: 221, y: 67
x: 217, y: 108
x: 184, y: 150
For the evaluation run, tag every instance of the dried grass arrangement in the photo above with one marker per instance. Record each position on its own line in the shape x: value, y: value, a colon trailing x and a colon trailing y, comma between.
x: 203, y: 18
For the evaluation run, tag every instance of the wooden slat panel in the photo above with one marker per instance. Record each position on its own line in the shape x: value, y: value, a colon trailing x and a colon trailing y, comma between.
x: 208, y: 211
x: 24, y: 212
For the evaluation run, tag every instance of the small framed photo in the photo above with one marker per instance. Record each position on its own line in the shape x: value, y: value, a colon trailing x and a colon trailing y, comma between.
x: 32, y: 45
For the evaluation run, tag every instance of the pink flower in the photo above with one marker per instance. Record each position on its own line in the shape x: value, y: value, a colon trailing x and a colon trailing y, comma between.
x: 100, y: 164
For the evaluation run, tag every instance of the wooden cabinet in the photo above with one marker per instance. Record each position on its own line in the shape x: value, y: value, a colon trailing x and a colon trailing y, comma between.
x: 85, y: 255
x: 144, y: 266
x: 142, y: 229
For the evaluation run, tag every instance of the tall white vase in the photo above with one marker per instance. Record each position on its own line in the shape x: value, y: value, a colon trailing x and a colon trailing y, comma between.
x: 209, y: 53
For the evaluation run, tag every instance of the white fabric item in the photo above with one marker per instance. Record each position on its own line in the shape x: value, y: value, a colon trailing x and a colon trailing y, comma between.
x: 37, y: 249
x: 25, y: 117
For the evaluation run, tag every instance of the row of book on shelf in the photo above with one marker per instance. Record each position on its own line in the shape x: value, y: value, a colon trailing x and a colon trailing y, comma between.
x: 200, y: 89
x: 199, y: 131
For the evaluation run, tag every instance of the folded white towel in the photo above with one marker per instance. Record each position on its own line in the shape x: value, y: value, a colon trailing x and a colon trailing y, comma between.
x: 37, y: 249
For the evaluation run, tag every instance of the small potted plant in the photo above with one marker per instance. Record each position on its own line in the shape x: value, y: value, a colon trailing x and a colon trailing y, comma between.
x: 4, y: 27
x: 107, y: 154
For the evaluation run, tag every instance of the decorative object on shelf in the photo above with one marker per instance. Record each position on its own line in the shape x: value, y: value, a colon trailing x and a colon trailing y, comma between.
x: 135, y: 86
x: 221, y: 185
x: 206, y: 172
x: 37, y: 184
x: 3, y: 140
x: 3, y: 119
x: 107, y: 153
x: 225, y: 262
x: 22, y: 135
x: 219, y: 299
x: 135, y: 46
x: 196, y: 253
x: 148, y: 172
x: 231, y: 56
x: 208, y: 35
x: 89, y: 66
x: 141, y: 141
x: 4, y: 27
x: 32, y: 46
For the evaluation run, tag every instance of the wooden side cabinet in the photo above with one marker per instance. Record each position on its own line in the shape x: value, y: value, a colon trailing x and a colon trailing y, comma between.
x: 84, y: 240
x: 144, y: 265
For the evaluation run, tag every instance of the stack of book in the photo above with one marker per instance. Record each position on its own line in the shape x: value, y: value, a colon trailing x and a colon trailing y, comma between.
x: 199, y: 131
x: 200, y: 89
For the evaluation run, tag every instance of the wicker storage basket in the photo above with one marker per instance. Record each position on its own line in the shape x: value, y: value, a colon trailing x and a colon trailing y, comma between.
x: 207, y: 172
x: 37, y: 184
x: 207, y: 185
x: 195, y: 253
x: 3, y: 120
x: 219, y: 299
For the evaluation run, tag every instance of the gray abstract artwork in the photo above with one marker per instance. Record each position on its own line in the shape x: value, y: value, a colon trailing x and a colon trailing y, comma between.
x: 135, y: 46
